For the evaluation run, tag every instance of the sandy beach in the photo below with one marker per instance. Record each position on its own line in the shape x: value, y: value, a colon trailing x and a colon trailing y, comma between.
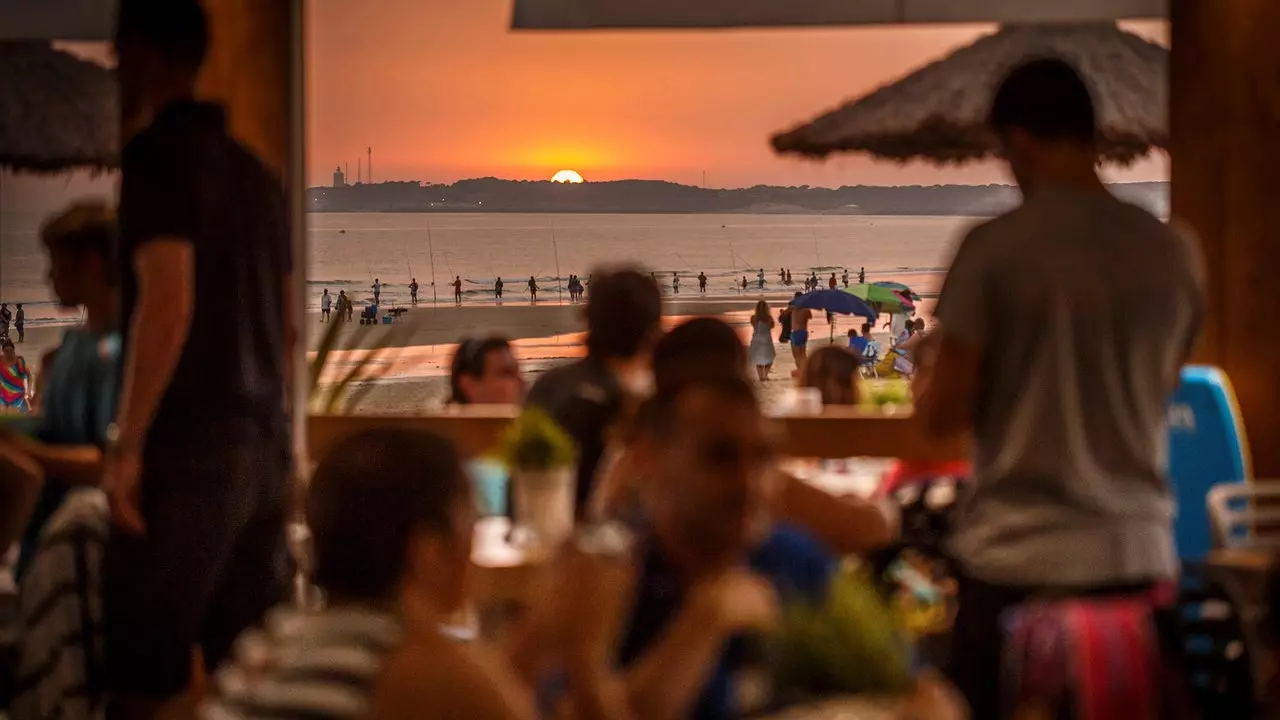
x: 413, y: 364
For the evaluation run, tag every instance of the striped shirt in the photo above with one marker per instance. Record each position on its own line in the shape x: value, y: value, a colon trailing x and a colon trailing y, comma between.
x: 58, y: 671
x: 303, y: 666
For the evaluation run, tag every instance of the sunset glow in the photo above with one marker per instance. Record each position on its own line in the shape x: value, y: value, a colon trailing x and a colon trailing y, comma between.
x: 566, y: 176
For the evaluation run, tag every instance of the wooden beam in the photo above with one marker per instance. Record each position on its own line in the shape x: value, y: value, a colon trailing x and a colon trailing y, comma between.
x: 1225, y: 151
x: 834, y: 434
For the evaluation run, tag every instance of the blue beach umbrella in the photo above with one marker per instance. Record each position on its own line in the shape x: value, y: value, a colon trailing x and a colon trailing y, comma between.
x: 836, y: 301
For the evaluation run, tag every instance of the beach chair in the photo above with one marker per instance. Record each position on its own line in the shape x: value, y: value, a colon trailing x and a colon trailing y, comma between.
x: 869, y: 364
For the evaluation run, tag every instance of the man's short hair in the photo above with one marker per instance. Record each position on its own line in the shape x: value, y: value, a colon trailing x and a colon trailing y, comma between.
x: 695, y: 350
x: 84, y: 228
x: 623, y: 312
x: 177, y: 29
x: 370, y: 494
x: 1046, y: 98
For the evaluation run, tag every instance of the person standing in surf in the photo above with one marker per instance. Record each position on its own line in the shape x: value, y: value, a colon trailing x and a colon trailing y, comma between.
x: 326, y: 304
x: 377, y: 291
x: 497, y: 289
x: 760, y: 278
x: 675, y: 283
x: 457, y: 289
x: 831, y: 284
x: 846, y: 278
x: 413, y: 291
x: 702, y: 282
x: 533, y: 291
x: 862, y: 276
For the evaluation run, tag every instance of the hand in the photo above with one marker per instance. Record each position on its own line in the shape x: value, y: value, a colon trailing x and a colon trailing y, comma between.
x: 740, y: 601
x: 121, y: 480
x: 935, y: 699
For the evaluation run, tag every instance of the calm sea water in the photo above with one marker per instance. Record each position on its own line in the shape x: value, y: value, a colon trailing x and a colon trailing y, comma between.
x: 348, y: 250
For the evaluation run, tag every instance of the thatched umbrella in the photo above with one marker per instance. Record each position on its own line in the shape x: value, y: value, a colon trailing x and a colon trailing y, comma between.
x: 57, y: 112
x: 938, y: 112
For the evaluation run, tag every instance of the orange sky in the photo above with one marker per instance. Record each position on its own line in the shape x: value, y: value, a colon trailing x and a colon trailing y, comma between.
x: 442, y: 90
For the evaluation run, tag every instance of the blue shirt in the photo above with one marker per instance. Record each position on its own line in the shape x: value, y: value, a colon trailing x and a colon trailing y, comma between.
x: 797, y: 565
x: 77, y: 403
x: 859, y: 344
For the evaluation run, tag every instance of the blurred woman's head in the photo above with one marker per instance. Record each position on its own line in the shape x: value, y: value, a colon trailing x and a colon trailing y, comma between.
x: 485, y: 372
x: 762, y: 312
x: 79, y: 242
x: 391, y: 518
x: 918, y: 325
x: 833, y: 371
x: 699, y: 348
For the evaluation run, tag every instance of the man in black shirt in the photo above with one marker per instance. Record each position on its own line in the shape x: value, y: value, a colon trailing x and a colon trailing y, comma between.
x: 586, y: 397
x: 198, y: 459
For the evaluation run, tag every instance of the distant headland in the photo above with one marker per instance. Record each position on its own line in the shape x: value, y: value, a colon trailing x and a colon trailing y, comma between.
x: 655, y: 196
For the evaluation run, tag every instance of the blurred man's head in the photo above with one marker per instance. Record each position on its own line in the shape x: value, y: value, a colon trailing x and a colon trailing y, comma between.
x: 391, y: 517
x: 484, y: 371
x: 160, y: 46
x: 707, y: 452
x: 624, y: 314
x: 1043, y: 115
x: 697, y: 349
x: 79, y: 242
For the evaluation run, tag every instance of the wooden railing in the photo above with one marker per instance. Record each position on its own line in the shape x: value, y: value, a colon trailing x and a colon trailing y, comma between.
x: 836, y: 433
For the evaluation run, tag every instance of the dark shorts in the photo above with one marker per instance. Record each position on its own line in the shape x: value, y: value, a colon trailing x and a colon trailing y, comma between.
x: 212, y: 562
x: 799, y: 338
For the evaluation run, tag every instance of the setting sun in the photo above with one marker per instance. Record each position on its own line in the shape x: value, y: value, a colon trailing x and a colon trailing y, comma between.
x: 566, y: 176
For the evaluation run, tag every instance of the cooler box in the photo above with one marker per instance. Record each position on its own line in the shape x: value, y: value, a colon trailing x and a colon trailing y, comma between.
x: 387, y: 319
x: 1207, y: 446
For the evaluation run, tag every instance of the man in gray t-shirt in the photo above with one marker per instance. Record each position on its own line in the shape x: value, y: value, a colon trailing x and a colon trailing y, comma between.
x: 1063, y: 326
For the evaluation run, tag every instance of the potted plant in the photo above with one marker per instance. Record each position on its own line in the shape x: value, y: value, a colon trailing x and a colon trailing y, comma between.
x: 541, y: 458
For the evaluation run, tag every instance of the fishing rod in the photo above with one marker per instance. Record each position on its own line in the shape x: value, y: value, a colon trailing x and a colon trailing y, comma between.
x: 733, y: 262
x: 432, y: 254
x: 556, y: 250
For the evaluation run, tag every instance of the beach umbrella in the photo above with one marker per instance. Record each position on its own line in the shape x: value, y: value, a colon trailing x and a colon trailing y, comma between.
x: 57, y: 112
x: 835, y: 301
x: 938, y: 113
x: 889, y: 300
x: 899, y: 288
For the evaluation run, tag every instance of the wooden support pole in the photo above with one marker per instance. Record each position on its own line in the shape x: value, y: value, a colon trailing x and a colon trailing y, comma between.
x: 1225, y: 151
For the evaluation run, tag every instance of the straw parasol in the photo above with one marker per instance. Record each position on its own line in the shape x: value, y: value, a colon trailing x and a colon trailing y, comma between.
x: 57, y: 112
x: 938, y: 112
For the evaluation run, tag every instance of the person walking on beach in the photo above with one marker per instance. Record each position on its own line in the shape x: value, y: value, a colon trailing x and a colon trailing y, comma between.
x: 413, y: 291
x: 846, y: 278
x: 198, y: 459
x: 326, y: 303
x: 533, y: 291
x: 744, y: 283
x: 348, y: 305
x: 342, y: 304
x: 862, y: 276
x: 497, y: 288
x: 675, y: 283
x: 788, y: 279
x: 1066, y: 400
x: 761, y: 348
x: 760, y: 278
x: 457, y: 289
x: 377, y: 291
x: 800, y: 335
x: 831, y: 284
x: 20, y: 323
x: 702, y: 282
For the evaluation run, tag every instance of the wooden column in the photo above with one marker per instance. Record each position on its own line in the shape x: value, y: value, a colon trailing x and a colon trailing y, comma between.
x: 248, y: 70
x: 1225, y: 151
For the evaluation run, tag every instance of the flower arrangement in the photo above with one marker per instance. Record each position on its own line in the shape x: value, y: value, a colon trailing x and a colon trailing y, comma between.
x: 536, y: 443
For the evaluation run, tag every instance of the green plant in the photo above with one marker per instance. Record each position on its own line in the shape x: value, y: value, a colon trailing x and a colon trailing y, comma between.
x: 849, y: 643
x: 370, y: 365
x: 879, y: 393
x: 534, y: 442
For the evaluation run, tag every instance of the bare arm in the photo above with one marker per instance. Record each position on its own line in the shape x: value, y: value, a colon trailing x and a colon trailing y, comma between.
x: 158, y: 330
x: 20, y: 481
x: 437, y: 679
x: 946, y: 386
x: 74, y: 464
x: 845, y: 525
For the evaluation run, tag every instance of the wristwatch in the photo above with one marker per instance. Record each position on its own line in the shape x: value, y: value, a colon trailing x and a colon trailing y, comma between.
x: 113, y: 438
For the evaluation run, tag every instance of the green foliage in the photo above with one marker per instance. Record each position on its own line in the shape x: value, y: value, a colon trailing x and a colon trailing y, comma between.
x: 851, y: 643
x: 372, y: 365
x: 879, y: 393
x: 534, y: 442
